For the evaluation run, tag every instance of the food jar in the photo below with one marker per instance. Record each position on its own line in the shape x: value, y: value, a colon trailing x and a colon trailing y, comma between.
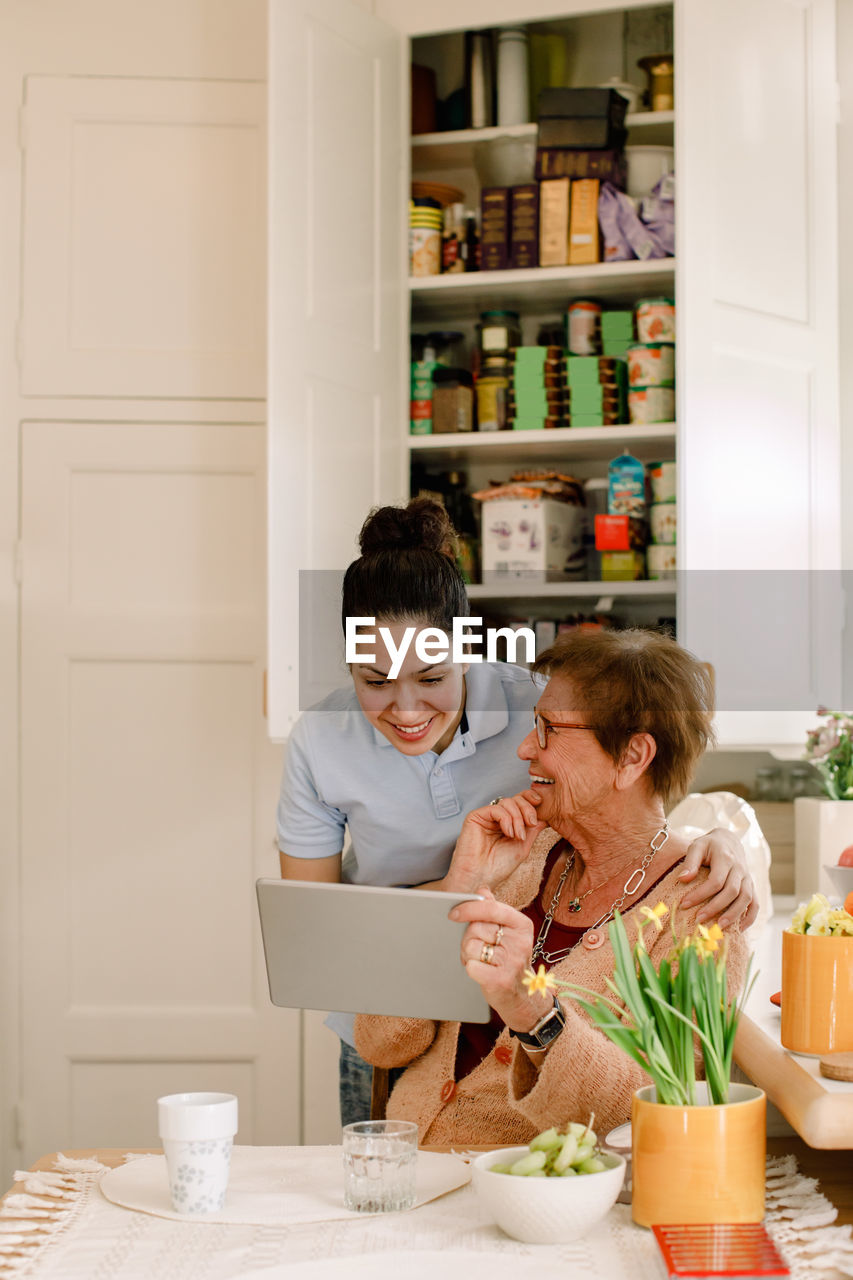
x: 425, y: 225
x: 499, y: 331
x: 583, y: 328
x: 651, y: 404
x: 651, y: 364
x: 452, y: 400
x: 660, y: 561
x: 663, y: 519
x: 662, y: 479
x: 655, y: 320
x: 493, y: 394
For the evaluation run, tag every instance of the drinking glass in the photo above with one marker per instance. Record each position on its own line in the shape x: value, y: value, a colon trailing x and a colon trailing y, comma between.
x: 379, y: 1165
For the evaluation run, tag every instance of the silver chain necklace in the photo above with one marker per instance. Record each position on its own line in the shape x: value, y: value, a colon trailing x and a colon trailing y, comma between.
x: 628, y: 891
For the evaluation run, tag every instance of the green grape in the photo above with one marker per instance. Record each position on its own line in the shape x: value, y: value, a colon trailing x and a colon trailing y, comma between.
x: 546, y: 1140
x: 499, y: 1168
x: 593, y: 1165
x: 568, y: 1153
x: 528, y: 1164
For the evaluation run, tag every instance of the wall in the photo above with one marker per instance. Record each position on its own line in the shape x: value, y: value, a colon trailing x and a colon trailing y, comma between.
x: 183, y: 39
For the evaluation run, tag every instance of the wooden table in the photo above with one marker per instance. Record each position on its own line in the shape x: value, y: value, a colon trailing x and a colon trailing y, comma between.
x: 833, y: 1169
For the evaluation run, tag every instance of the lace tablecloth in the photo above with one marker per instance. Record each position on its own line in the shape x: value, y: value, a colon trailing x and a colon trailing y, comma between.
x: 59, y: 1226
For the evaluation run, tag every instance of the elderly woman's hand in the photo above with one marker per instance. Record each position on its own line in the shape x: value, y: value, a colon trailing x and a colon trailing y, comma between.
x: 494, y: 841
x: 496, y: 949
x: 729, y: 891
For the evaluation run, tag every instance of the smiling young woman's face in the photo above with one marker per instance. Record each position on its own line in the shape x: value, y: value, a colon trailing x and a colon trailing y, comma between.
x: 419, y: 710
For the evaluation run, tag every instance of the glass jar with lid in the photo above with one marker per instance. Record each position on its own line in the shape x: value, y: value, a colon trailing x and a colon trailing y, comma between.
x: 498, y: 331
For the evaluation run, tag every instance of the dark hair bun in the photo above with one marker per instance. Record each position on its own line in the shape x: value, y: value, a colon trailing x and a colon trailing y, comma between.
x: 421, y: 525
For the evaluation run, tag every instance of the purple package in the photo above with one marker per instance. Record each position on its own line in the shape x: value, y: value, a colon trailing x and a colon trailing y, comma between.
x: 624, y: 234
x: 658, y: 212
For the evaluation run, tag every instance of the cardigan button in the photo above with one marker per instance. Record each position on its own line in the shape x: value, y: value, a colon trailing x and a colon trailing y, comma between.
x: 447, y: 1090
x: 593, y: 939
x: 503, y: 1054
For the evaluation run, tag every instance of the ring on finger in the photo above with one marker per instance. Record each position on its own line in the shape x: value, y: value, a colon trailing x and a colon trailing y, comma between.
x: 487, y: 952
x: 496, y: 800
x: 498, y: 936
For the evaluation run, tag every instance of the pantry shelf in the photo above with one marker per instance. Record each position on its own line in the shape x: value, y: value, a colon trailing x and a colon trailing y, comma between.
x: 446, y: 296
x: 521, y: 590
x: 455, y: 150
x: 649, y: 443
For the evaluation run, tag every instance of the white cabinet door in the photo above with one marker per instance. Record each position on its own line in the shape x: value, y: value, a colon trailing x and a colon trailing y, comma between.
x: 337, y: 307
x: 759, y: 510
x: 143, y: 238
x: 147, y: 784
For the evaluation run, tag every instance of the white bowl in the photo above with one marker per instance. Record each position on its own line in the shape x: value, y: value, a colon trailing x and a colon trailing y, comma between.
x: 842, y: 879
x: 546, y: 1210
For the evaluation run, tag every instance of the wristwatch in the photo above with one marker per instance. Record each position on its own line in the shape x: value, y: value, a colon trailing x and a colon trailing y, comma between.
x: 545, y: 1031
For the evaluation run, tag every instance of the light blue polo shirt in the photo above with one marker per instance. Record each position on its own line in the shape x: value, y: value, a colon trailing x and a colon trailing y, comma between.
x: 403, y: 813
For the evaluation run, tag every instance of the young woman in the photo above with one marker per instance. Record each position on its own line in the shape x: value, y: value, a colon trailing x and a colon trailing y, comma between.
x: 396, y: 765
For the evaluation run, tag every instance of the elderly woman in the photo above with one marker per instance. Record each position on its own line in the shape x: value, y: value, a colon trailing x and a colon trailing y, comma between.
x: 618, y: 731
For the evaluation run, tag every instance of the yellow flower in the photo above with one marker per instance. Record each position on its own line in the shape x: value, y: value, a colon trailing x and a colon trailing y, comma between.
x: 540, y: 981
x: 707, y: 940
x: 655, y: 915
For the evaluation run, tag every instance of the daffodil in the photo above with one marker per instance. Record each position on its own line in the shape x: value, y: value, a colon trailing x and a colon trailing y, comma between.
x: 707, y: 941
x: 538, y: 982
x: 655, y: 915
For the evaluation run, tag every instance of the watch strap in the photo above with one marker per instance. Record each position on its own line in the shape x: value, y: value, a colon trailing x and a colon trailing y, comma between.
x: 545, y: 1030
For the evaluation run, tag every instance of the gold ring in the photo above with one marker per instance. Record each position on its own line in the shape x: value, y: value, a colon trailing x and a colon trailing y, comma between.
x: 496, y: 800
x: 500, y: 934
x: 487, y: 953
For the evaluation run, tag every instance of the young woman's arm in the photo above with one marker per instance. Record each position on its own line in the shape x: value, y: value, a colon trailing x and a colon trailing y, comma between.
x: 324, y: 870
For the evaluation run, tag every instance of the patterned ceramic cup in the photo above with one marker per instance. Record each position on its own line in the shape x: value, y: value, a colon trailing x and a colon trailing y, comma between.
x: 197, y: 1131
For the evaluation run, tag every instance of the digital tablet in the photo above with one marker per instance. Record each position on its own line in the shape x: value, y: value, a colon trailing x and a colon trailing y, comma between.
x: 363, y: 949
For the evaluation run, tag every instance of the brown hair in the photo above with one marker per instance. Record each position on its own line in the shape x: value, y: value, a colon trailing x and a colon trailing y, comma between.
x: 407, y: 567
x: 634, y: 681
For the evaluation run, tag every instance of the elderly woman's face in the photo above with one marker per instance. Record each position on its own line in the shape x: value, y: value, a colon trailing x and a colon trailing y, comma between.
x: 572, y: 772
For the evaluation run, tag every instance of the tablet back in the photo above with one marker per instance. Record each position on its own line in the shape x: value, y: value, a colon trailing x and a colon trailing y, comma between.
x: 364, y: 949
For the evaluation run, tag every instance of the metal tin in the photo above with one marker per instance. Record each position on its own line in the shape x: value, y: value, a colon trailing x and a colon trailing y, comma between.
x: 651, y: 364
x: 655, y: 320
x: 583, y: 328
x: 651, y: 404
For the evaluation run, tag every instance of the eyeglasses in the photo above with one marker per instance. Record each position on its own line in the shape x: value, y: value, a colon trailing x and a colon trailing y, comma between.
x: 544, y: 727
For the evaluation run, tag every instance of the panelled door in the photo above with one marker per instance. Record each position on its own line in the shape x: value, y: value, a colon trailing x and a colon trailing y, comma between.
x: 147, y: 783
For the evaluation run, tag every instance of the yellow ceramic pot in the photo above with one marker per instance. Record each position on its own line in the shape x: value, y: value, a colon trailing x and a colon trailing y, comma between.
x: 817, y: 993
x: 699, y: 1164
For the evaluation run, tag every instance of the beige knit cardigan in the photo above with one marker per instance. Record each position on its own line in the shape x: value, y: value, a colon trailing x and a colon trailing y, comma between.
x: 505, y: 1099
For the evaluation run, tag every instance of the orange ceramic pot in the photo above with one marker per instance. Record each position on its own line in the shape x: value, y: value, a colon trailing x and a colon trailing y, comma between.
x: 699, y: 1164
x: 817, y: 993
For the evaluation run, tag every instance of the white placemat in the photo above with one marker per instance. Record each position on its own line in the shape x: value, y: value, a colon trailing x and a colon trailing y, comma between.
x: 274, y: 1186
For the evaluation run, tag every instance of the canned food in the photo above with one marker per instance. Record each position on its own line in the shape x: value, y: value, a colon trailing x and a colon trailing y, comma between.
x: 662, y: 477
x: 656, y: 320
x: 651, y: 364
x: 660, y: 561
x: 651, y: 404
x: 425, y: 251
x: 583, y: 328
x: 662, y: 522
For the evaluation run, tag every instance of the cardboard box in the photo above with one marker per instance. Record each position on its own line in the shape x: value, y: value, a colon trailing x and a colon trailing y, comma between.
x: 536, y: 538
x: 524, y: 225
x: 554, y: 222
x: 494, y: 228
x: 583, y: 225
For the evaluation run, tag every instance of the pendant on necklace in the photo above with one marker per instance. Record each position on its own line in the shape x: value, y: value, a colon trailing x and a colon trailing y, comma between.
x: 575, y: 904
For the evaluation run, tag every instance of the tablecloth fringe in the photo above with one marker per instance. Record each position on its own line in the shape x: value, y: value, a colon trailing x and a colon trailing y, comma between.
x: 799, y: 1218
x: 42, y: 1206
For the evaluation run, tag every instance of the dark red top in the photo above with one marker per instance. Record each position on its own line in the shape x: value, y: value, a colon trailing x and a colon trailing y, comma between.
x: 477, y: 1039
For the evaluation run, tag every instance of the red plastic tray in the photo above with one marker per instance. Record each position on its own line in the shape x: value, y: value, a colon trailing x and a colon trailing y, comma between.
x: 741, y: 1249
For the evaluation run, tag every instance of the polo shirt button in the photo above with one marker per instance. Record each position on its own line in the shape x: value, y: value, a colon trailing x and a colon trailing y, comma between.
x: 447, y: 1090
x: 503, y: 1054
x: 437, y: 772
